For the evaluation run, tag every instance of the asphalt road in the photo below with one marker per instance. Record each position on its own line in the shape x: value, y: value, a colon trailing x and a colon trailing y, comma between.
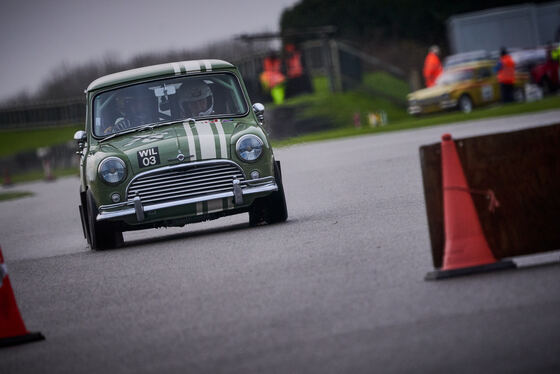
x: 337, y: 289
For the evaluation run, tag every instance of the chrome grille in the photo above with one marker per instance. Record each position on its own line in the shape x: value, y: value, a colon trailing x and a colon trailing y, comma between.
x: 185, y: 181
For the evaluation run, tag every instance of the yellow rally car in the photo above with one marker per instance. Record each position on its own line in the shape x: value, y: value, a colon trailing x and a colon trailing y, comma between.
x: 463, y: 87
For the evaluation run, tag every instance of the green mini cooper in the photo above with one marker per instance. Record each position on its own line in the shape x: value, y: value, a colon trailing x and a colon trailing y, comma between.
x: 172, y: 144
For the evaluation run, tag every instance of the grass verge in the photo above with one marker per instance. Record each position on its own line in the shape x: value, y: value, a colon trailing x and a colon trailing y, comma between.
x: 15, y: 141
x: 340, y: 107
x: 4, y: 196
x: 38, y: 175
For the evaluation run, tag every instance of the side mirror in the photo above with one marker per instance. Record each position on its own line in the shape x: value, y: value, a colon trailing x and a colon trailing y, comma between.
x: 80, y: 137
x: 258, y: 108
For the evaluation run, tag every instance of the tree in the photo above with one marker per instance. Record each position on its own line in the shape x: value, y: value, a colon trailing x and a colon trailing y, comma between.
x: 362, y: 20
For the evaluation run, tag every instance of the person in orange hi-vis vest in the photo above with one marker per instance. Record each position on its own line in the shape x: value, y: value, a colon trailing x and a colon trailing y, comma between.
x: 298, y: 81
x: 506, y: 75
x: 272, y: 79
x: 432, y: 66
x: 293, y: 62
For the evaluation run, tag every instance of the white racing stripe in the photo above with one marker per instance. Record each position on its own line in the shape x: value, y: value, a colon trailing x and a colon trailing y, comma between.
x: 176, y: 68
x: 207, y: 65
x: 191, y: 66
x: 222, y: 139
x: 190, y: 140
x: 206, y: 140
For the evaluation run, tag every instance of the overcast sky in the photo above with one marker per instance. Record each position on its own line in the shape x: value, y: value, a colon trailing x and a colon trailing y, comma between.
x: 37, y: 36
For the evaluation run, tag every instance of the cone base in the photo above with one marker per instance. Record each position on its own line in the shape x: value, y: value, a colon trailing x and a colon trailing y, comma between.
x: 442, y: 274
x: 21, y: 339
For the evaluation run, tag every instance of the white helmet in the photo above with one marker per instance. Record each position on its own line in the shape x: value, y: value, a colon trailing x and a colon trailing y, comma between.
x: 196, y: 99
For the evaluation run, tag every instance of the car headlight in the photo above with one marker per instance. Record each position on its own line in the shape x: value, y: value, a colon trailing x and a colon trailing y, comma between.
x: 446, y: 96
x: 112, y: 170
x: 249, y: 147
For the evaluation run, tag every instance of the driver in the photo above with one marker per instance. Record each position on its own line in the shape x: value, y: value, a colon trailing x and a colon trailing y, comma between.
x: 196, y: 100
x: 131, y: 113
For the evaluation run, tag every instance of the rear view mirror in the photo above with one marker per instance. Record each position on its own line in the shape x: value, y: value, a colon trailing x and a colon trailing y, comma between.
x: 80, y: 137
x: 258, y: 108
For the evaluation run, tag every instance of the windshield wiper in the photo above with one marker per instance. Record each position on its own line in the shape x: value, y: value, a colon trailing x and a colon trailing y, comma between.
x: 150, y: 126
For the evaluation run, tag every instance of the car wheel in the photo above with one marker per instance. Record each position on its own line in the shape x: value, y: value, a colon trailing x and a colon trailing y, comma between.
x: 519, y: 95
x: 257, y: 212
x: 84, y: 219
x: 101, y: 234
x: 277, y: 210
x: 273, y: 208
x: 465, y: 104
x: 546, y: 86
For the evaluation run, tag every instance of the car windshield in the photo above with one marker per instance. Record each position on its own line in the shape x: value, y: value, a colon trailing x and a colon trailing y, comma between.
x: 175, y: 99
x: 454, y: 76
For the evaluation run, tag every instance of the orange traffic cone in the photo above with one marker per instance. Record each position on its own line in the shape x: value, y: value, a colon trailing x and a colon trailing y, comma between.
x: 12, y: 328
x: 466, y: 249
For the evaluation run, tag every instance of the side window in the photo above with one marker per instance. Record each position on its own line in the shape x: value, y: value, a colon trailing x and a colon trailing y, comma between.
x: 484, y: 73
x: 104, y: 115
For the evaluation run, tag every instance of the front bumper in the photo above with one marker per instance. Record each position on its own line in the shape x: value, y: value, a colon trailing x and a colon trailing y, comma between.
x: 135, y: 207
x: 448, y: 104
x: 414, y: 109
x: 432, y: 106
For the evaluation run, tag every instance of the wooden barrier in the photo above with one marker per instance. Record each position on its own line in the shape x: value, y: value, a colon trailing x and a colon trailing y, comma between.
x: 522, y: 168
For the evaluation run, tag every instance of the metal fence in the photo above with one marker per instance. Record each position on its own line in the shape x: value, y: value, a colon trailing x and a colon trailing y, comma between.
x: 44, y: 114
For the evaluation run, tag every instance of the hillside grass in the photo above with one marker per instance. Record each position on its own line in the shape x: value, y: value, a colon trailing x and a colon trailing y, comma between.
x: 341, y: 107
x: 15, y: 141
x: 38, y: 175
x: 409, y: 122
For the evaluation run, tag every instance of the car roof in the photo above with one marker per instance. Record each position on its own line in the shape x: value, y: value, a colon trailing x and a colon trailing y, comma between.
x: 472, y: 65
x: 466, y: 57
x: 168, y: 69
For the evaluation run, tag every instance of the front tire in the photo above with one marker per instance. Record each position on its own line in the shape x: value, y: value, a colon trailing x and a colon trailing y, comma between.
x: 546, y: 86
x: 519, y: 95
x: 101, y: 234
x: 273, y: 208
x: 465, y: 104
